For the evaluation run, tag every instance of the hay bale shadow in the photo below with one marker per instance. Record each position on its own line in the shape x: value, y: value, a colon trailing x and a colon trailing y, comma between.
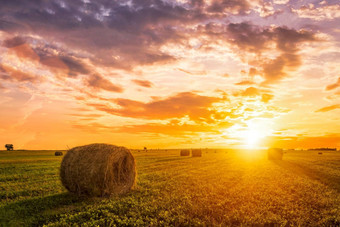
x: 170, y: 159
x: 303, y: 170
x: 37, y: 211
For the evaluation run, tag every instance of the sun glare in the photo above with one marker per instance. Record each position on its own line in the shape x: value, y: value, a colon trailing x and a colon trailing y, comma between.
x: 251, y: 136
x: 255, y: 132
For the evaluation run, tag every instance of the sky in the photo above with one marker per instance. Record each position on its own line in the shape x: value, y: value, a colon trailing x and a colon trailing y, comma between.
x: 170, y: 73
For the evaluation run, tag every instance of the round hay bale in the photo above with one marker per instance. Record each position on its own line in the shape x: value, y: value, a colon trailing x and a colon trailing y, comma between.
x: 58, y: 153
x: 320, y: 153
x: 196, y: 153
x: 98, y: 170
x: 185, y: 152
x: 275, y: 154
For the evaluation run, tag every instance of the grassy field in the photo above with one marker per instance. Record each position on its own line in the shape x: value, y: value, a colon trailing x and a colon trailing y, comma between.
x: 222, y: 188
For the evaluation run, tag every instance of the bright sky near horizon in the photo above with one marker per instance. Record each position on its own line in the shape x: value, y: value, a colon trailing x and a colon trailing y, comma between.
x: 167, y: 74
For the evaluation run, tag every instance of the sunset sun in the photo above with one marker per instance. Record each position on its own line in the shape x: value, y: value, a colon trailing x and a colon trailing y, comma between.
x: 252, y: 138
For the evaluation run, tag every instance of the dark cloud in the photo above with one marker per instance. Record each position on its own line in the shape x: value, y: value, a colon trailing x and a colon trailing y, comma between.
x: 229, y: 6
x: 13, y: 42
x: 74, y: 65
x: 9, y: 26
x: 143, y: 83
x: 125, y: 34
x: 249, y: 37
x: 257, y: 39
x: 47, y: 55
x: 333, y: 86
x: 59, y: 59
x: 287, y: 39
x: 98, y: 82
x: 120, y: 34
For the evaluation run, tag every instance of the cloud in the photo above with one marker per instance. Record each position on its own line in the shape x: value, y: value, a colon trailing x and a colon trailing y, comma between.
x: 115, y: 34
x: 245, y: 82
x: 98, y: 82
x: 319, y: 13
x: 143, y: 83
x: 120, y: 34
x: 21, y: 48
x: 177, y: 106
x: 12, y: 74
x: 59, y: 60
x: 32, y: 50
x: 256, y: 39
x: 229, y: 6
x: 249, y: 37
x: 281, y: 2
x: 13, y: 42
x: 267, y: 97
x: 193, y: 72
x: 172, y: 129
x: 329, y: 108
x: 288, y: 39
x: 251, y: 92
x: 74, y: 66
x: 333, y: 86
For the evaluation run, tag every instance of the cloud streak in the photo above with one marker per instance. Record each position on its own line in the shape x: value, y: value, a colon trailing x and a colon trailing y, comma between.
x: 329, y: 108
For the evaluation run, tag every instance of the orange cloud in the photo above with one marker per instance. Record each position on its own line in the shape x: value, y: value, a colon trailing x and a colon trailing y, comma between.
x: 333, y: 86
x: 98, y: 82
x: 13, y: 74
x: 143, y: 83
x: 329, y: 108
x: 245, y: 82
x: 255, y: 92
x: 193, y: 72
x: 178, y: 106
x: 171, y: 129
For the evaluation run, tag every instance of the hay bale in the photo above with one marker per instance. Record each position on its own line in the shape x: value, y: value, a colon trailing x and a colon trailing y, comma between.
x: 275, y: 154
x: 185, y: 152
x: 320, y: 153
x: 58, y: 153
x: 196, y: 153
x: 98, y: 170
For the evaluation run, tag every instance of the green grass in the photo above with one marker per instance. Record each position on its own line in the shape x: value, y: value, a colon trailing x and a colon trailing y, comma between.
x: 223, y: 188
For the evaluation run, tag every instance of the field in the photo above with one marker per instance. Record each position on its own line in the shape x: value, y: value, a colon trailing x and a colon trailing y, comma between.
x: 224, y: 187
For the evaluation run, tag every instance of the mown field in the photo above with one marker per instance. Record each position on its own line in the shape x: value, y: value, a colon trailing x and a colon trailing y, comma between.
x: 224, y: 188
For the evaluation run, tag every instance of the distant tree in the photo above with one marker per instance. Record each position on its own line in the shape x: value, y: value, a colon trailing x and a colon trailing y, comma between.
x: 9, y: 147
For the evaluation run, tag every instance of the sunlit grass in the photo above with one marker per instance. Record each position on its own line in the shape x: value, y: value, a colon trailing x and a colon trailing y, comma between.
x: 223, y: 188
